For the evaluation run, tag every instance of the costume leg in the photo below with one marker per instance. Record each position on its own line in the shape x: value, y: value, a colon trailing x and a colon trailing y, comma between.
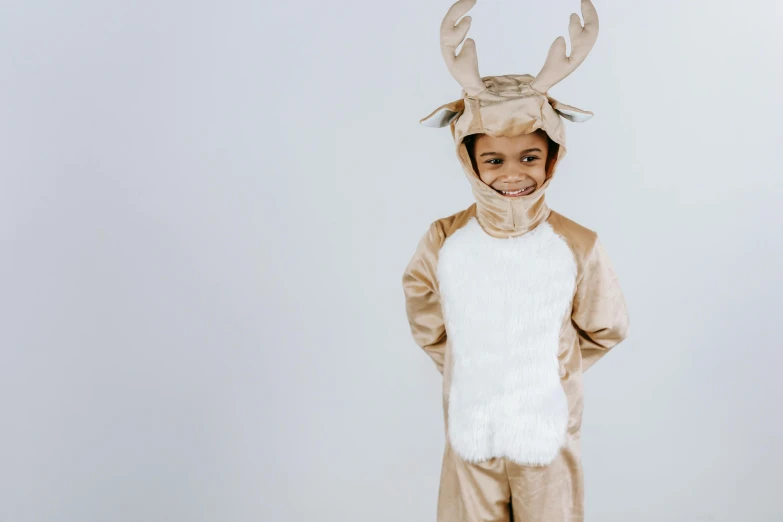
x: 473, y: 492
x: 553, y: 493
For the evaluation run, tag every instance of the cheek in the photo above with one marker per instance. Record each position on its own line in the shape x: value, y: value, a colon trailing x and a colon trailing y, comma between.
x: 539, y: 174
x: 487, y: 176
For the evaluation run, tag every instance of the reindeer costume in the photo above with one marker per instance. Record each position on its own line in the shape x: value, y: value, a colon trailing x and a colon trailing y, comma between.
x: 513, y: 302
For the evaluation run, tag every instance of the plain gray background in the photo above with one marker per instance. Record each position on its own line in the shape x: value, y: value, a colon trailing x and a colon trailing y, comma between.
x: 206, y: 209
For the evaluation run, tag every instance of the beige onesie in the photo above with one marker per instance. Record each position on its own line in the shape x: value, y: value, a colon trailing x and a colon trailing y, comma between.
x: 513, y: 302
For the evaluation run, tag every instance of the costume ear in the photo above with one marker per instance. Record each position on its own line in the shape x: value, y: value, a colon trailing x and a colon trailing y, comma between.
x: 444, y: 114
x: 570, y: 113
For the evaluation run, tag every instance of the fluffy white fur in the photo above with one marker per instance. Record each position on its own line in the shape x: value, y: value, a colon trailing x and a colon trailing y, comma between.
x: 504, y: 302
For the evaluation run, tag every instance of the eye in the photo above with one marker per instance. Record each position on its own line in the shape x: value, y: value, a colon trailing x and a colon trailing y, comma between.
x: 494, y: 159
x: 531, y: 158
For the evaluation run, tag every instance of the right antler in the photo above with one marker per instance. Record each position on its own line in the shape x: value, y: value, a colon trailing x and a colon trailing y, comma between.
x: 558, y: 65
x: 464, y: 66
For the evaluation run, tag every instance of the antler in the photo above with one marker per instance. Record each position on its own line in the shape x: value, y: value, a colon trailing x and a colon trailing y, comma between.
x: 558, y: 65
x: 464, y: 66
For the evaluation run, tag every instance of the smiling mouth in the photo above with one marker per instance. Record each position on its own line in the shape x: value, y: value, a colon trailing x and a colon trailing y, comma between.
x: 517, y: 193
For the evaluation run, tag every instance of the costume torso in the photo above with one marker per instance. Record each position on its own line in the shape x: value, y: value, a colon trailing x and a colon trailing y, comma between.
x: 503, y: 334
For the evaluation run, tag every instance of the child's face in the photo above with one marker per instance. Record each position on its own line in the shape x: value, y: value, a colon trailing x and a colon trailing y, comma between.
x: 514, y: 166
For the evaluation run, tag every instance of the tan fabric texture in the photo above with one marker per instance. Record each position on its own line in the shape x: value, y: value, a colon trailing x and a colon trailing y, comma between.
x: 500, y: 490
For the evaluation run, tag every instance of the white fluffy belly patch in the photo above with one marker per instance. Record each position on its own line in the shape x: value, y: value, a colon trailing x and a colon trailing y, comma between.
x: 504, y: 301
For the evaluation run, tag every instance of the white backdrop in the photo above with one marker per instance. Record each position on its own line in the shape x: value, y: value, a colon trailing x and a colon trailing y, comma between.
x: 206, y: 209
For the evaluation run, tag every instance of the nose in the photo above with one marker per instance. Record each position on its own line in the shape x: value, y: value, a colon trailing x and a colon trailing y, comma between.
x: 513, y: 175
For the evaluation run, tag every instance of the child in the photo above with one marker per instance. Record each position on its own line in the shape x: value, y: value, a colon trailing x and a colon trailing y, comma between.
x: 512, y: 300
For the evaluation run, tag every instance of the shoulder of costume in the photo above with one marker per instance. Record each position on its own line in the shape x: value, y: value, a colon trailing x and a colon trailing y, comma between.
x: 580, y: 238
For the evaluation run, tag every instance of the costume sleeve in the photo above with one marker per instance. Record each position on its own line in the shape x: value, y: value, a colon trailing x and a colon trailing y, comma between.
x: 599, y: 310
x: 422, y: 302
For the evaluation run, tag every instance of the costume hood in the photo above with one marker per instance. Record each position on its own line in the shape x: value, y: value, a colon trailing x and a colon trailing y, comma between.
x: 509, y: 105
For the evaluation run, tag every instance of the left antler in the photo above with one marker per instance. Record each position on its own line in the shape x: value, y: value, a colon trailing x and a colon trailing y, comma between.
x: 558, y: 65
x: 463, y: 66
